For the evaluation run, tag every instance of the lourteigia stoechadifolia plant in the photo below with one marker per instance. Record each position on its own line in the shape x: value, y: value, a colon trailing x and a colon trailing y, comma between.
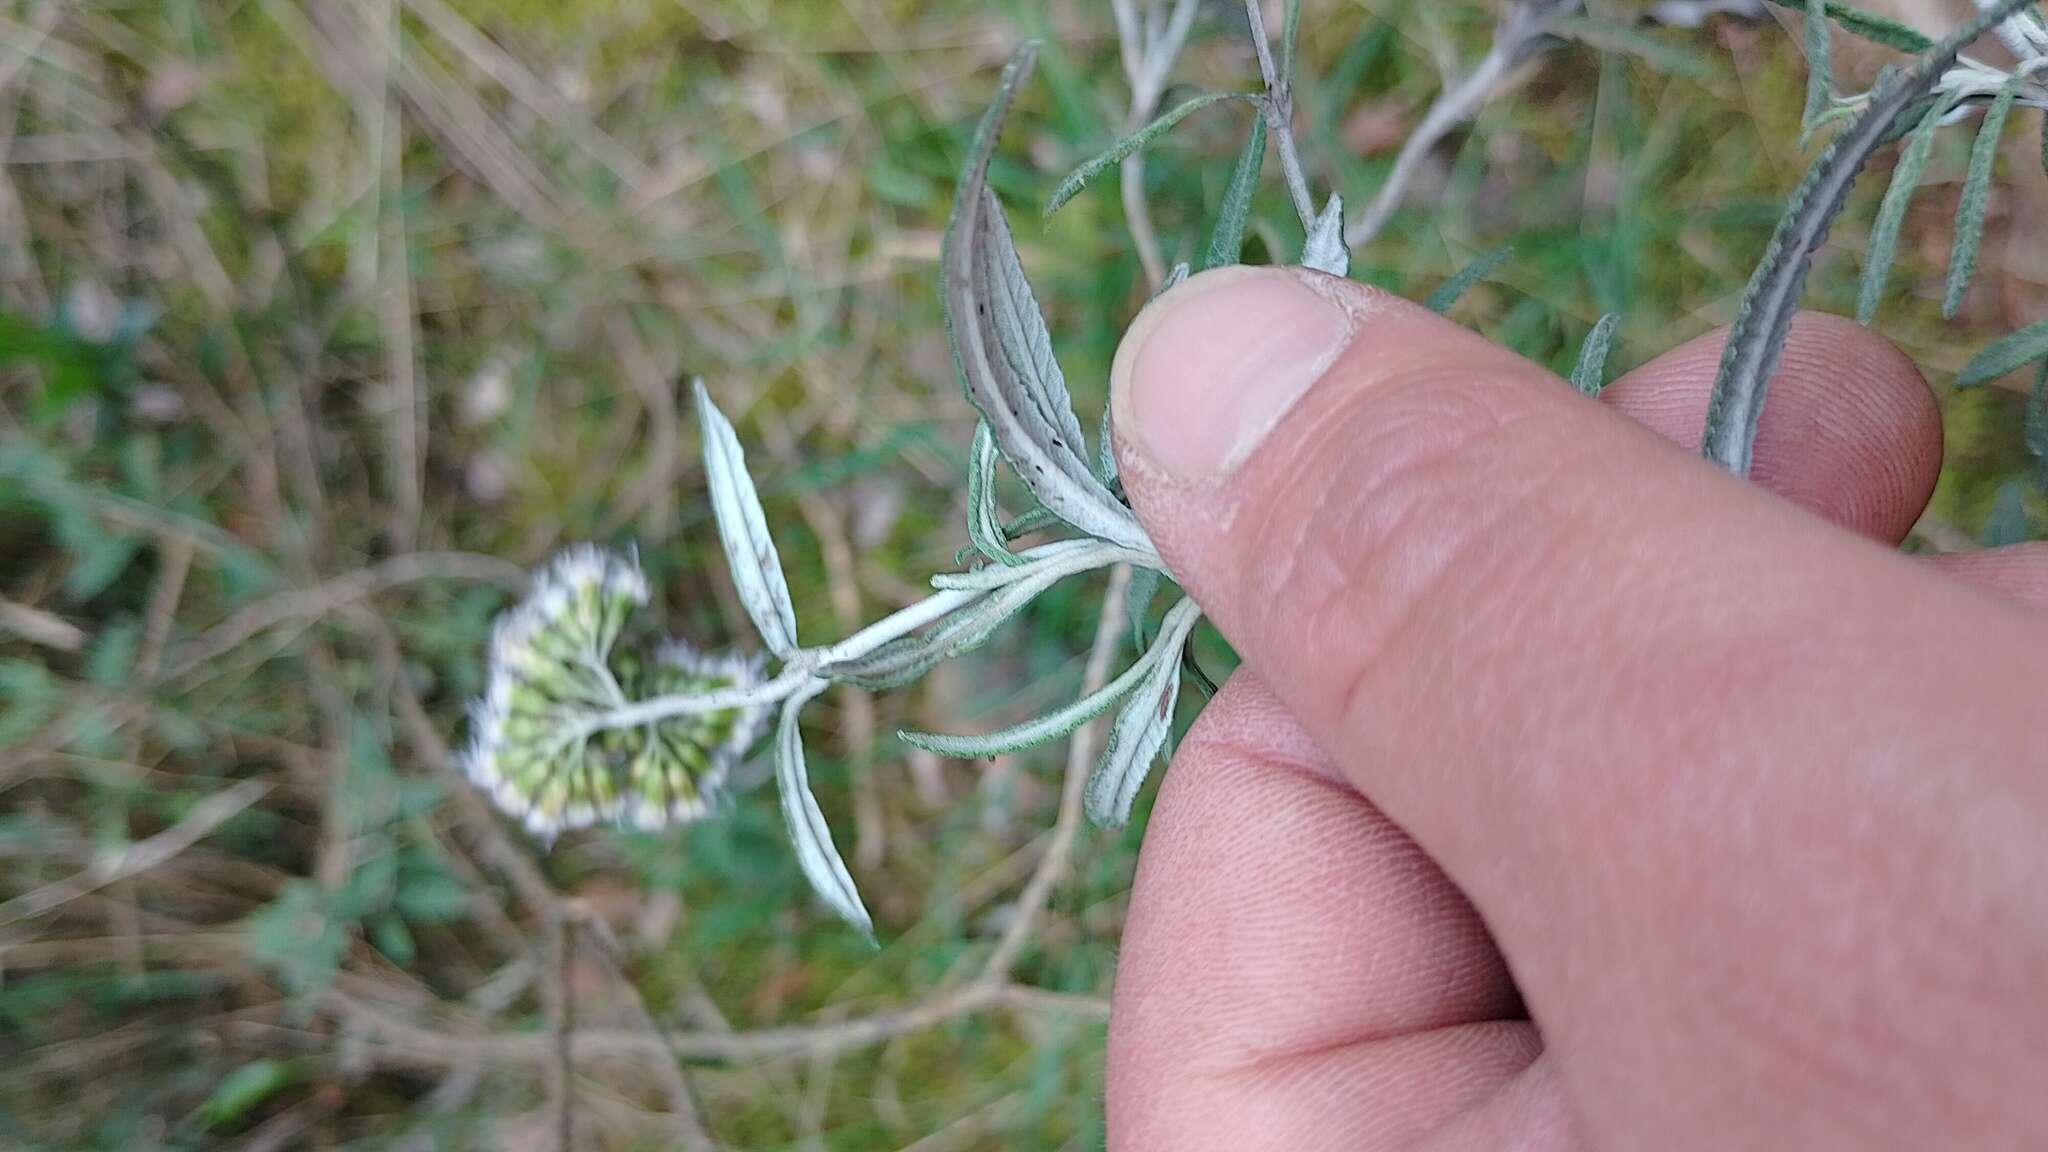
x: 585, y: 722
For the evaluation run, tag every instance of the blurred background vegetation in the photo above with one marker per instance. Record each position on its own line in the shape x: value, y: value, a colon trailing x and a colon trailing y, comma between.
x: 322, y: 320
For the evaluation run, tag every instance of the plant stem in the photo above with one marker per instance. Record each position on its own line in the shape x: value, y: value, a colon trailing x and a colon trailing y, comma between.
x: 1048, y: 562
x: 1278, y: 108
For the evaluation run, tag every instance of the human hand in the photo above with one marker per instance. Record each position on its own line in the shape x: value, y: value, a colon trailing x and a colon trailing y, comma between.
x: 1573, y: 794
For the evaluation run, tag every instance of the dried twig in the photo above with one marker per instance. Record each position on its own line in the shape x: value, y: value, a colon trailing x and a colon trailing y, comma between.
x: 1149, y: 52
x: 404, y: 1040
x: 682, y: 1107
x: 1521, y: 32
x: 556, y: 993
x: 1278, y: 109
x: 206, y: 816
x: 44, y: 629
x: 302, y: 604
x: 1081, y: 748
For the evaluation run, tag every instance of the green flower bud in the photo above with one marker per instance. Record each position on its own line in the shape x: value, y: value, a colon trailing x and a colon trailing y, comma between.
x: 540, y: 746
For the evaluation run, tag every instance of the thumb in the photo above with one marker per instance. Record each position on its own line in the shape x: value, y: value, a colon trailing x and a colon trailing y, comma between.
x: 1674, y: 737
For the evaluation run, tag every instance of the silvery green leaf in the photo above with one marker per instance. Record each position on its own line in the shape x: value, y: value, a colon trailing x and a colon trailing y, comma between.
x: 1226, y: 243
x: 1000, y: 347
x: 1820, y: 71
x: 2009, y: 523
x: 1105, y: 452
x: 1180, y: 273
x: 1290, y: 32
x: 1024, y: 339
x: 1765, y: 318
x: 808, y: 832
x: 2006, y: 355
x: 1454, y: 289
x: 1142, y: 728
x: 1869, y: 25
x: 1053, y: 725
x: 1589, y: 376
x: 1962, y: 262
x: 2035, y: 432
x: 1325, y: 250
x: 1891, y: 215
x: 749, y: 548
x: 984, y: 524
x: 1138, y: 596
x: 1096, y: 165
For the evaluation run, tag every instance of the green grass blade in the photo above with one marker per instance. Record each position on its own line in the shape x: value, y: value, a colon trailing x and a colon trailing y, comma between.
x: 1453, y: 290
x: 2006, y: 355
x: 1607, y: 35
x: 1962, y: 263
x: 1891, y: 215
x: 1869, y: 25
x: 1226, y: 243
x: 1095, y: 165
x: 1589, y: 376
x: 2035, y: 434
x: 1765, y: 318
x: 1820, y: 69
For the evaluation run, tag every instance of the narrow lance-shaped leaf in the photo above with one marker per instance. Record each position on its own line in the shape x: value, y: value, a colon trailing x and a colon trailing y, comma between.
x: 2036, y: 429
x: 808, y: 832
x: 984, y: 525
x: 1589, y: 376
x: 1765, y: 319
x: 1610, y: 35
x: 1453, y: 290
x: 997, y: 335
x: 1105, y: 451
x: 749, y: 548
x: 1325, y: 250
x: 1869, y: 25
x: 2009, y: 523
x: 1820, y: 70
x: 1290, y: 34
x: 1226, y: 243
x: 1138, y: 596
x: 2006, y: 355
x: 1024, y: 339
x: 1962, y: 261
x: 1891, y: 215
x: 1140, y: 732
x: 1053, y: 725
x: 1095, y: 165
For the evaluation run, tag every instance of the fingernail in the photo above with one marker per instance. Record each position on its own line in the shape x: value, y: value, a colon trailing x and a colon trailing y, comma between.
x: 1210, y: 368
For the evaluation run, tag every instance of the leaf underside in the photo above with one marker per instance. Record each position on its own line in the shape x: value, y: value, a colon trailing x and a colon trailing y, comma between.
x: 1002, y: 348
x: 749, y: 547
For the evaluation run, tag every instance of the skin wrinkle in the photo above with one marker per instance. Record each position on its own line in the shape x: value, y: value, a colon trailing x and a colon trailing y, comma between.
x: 1342, y: 530
x: 1333, y: 817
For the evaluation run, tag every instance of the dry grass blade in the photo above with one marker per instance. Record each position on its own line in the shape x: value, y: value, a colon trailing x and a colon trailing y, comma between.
x: 140, y: 857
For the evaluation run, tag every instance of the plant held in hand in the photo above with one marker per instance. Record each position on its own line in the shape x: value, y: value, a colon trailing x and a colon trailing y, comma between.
x: 585, y: 722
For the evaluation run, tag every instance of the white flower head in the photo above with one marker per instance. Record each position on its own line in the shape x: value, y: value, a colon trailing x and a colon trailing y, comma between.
x: 541, y: 746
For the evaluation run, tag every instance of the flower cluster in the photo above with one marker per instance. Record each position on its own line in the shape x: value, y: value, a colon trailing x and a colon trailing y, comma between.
x: 560, y: 665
